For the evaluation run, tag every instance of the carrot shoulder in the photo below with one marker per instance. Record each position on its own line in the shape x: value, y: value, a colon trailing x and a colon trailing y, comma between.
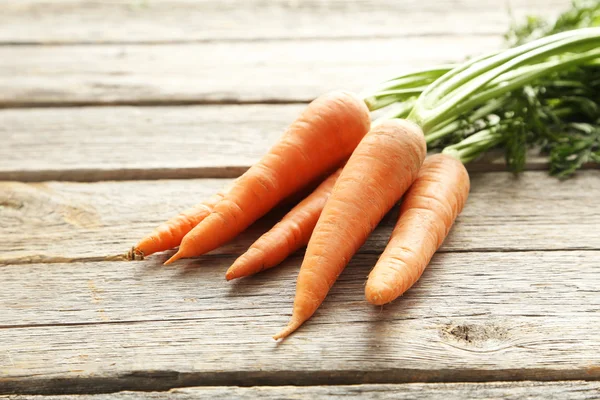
x: 287, y: 236
x: 380, y: 170
x: 322, y: 137
x: 427, y: 213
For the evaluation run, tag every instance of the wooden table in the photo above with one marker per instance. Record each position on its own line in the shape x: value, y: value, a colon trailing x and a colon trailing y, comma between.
x: 116, y: 115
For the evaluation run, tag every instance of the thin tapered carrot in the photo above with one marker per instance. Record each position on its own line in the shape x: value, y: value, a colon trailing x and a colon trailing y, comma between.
x: 380, y: 170
x: 287, y: 236
x: 322, y: 137
x: 170, y: 233
x: 428, y: 211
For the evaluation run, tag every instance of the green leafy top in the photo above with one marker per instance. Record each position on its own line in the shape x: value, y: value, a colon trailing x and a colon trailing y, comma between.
x: 543, y: 93
x: 477, y: 81
x: 582, y: 14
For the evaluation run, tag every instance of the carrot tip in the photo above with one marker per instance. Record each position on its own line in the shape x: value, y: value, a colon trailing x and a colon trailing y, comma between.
x: 135, y: 254
x: 288, y: 330
x: 229, y: 275
x: 174, y: 258
x: 377, y: 297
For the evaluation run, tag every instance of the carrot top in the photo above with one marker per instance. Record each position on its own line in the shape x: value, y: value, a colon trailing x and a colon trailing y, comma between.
x: 475, y: 82
x: 542, y: 94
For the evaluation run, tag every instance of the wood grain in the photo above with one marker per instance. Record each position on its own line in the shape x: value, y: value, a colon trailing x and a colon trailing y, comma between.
x: 215, y: 72
x: 575, y: 390
x: 124, y: 143
x: 159, y: 21
x: 94, y: 143
x: 53, y: 222
x: 110, y: 326
x: 513, y: 294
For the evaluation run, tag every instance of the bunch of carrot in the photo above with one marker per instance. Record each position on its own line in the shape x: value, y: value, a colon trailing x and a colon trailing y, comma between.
x: 368, y: 167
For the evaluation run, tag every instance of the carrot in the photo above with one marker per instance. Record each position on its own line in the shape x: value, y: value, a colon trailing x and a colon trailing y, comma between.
x: 287, y: 236
x: 170, y: 233
x: 322, y: 137
x: 380, y: 170
x: 427, y: 213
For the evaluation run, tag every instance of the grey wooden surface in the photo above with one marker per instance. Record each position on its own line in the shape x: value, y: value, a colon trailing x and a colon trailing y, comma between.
x: 160, y: 21
x: 200, y: 89
x: 126, y: 143
x: 98, y: 220
x: 102, y: 326
x: 215, y: 71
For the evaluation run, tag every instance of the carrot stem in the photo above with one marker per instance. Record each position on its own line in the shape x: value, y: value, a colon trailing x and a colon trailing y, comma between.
x: 442, y: 99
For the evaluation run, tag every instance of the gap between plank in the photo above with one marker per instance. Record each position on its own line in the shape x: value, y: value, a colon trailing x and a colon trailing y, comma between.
x: 153, y: 103
x: 163, y: 380
x: 128, y: 174
x: 407, y: 35
x: 53, y: 259
x: 90, y: 175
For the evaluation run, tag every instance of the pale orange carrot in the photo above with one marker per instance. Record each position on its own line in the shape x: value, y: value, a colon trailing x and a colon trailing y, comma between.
x: 322, y: 137
x: 169, y: 234
x: 428, y: 211
x: 380, y: 170
x: 287, y: 236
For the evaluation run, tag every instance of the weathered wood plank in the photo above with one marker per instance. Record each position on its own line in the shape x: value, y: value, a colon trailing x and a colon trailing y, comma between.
x: 124, y: 143
x: 215, y: 72
x: 53, y: 222
x: 137, y: 142
x: 79, y: 21
x: 574, y: 390
x: 110, y: 326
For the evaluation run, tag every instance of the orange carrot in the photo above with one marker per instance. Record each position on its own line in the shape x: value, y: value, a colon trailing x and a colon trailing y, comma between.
x: 380, y: 170
x: 322, y: 137
x: 169, y: 234
x: 427, y: 213
x: 287, y: 236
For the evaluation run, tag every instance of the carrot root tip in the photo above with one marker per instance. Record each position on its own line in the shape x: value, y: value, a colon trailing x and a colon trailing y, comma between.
x: 289, y: 329
x: 174, y: 258
x: 229, y: 275
x: 135, y: 254
x: 376, y: 297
